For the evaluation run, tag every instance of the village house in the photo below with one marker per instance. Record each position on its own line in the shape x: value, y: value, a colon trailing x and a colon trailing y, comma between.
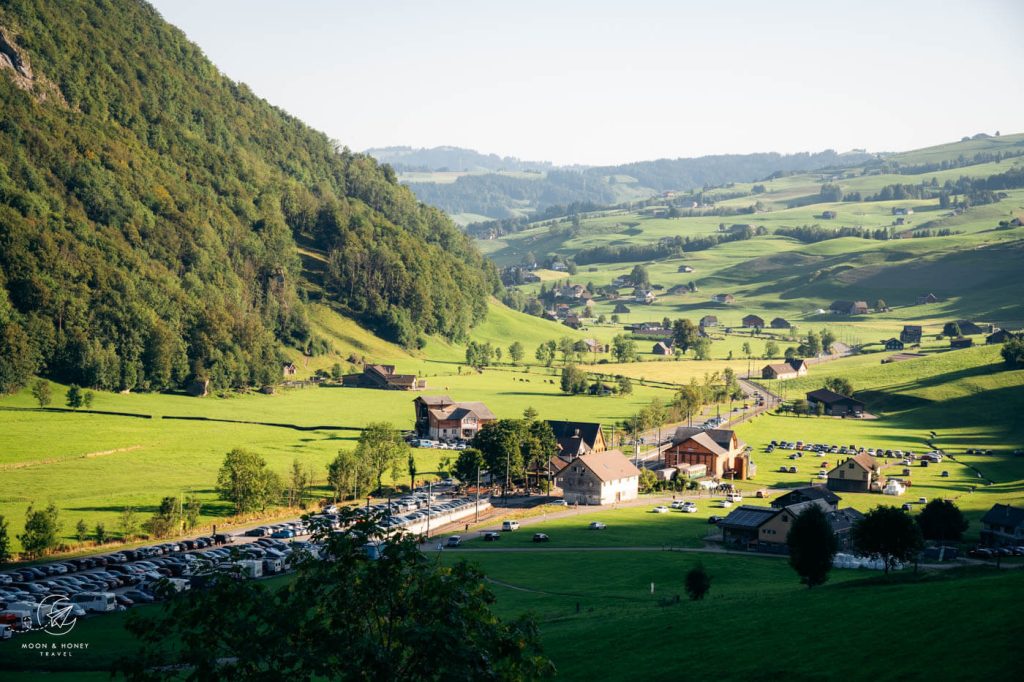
x: 720, y: 450
x: 911, y: 333
x: 645, y: 296
x: 709, y: 321
x: 893, y: 344
x: 1003, y: 525
x: 1000, y: 336
x: 663, y: 348
x: 723, y: 298
x: 849, y: 307
x: 577, y: 438
x: 288, y: 369
x: 836, y: 405
x: 572, y: 321
x: 595, y: 346
x: 685, y: 268
x: 383, y: 377
x: 860, y: 473
x: 961, y: 342
x: 968, y: 328
x: 753, y: 321
x: 765, y: 529
x: 927, y: 298
x: 780, y: 323
x: 439, y: 417
x: 599, y: 478
x: 791, y: 369
x: 807, y: 494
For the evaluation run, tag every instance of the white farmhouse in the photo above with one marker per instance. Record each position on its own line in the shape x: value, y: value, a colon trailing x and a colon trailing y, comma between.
x: 599, y: 478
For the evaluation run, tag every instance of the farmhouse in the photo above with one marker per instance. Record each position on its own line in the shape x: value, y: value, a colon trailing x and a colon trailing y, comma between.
x: 440, y: 417
x: 685, y: 268
x: 808, y: 494
x: 383, y: 377
x: 911, y: 333
x: 595, y: 346
x: 663, y: 348
x: 790, y: 369
x: 961, y: 342
x: 1003, y: 524
x: 765, y: 529
x: 927, y: 298
x: 999, y: 336
x: 599, y: 478
x: 753, y: 321
x: 780, y: 323
x: 288, y: 369
x: 723, y: 298
x: 577, y: 438
x: 645, y: 296
x: 709, y: 321
x: 849, y: 307
x: 720, y: 450
x: 857, y: 474
x: 967, y: 328
x: 893, y: 344
x: 572, y: 321
x: 836, y: 405
x: 828, y: 215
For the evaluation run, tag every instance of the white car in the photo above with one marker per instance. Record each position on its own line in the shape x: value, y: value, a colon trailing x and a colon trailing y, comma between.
x: 597, y: 525
x: 734, y: 497
x: 662, y: 509
x: 689, y: 507
x: 559, y: 503
x: 726, y: 503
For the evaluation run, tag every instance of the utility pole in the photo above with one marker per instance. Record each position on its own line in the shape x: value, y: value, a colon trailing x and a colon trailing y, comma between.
x: 430, y: 499
x: 477, y: 519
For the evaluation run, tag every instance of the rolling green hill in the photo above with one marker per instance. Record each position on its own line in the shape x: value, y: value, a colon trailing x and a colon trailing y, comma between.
x: 150, y: 209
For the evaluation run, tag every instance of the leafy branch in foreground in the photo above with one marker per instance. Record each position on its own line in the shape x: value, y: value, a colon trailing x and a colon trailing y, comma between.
x: 345, y: 616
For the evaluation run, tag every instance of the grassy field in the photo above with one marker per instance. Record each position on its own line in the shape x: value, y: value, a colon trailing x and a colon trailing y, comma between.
x: 598, y: 619
x: 94, y: 465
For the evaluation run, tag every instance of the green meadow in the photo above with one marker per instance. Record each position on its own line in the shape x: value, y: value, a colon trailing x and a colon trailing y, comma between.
x: 590, y: 603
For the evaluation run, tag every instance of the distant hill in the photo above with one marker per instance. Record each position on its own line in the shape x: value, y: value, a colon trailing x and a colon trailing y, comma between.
x: 151, y: 208
x: 456, y: 159
x: 503, y: 196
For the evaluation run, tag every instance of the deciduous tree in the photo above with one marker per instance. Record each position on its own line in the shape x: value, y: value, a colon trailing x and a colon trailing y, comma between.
x: 344, y: 618
x: 246, y: 482
x: 942, y: 521
x: 812, y: 545
x: 889, y: 534
x: 41, y: 529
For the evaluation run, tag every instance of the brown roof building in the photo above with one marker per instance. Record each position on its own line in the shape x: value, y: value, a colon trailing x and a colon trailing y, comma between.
x: 858, y: 474
x: 383, y: 377
x: 599, y: 478
x: 720, y: 450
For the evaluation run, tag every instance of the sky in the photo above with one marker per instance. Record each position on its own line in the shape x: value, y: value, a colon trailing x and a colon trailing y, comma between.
x: 594, y: 82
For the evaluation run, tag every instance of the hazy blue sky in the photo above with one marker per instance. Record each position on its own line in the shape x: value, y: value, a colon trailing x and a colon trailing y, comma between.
x: 600, y: 82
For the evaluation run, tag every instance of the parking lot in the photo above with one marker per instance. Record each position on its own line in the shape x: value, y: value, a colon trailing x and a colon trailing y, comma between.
x: 125, y: 578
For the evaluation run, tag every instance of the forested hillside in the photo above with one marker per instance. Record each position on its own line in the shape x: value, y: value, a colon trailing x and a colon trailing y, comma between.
x: 150, y: 209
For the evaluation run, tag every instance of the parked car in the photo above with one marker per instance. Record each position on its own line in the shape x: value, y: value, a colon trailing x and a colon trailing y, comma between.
x: 453, y: 541
x: 540, y: 537
x: 559, y: 503
x: 510, y: 525
x: 714, y: 519
x: 491, y: 536
x: 689, y: 507
x: 734, y: 497
x: 660, y: 509
x: 597, y: 525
